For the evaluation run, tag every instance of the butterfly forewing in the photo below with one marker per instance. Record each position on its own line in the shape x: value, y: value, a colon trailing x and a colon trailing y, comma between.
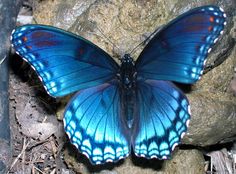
x: 64, y: 62
x: 178, y: 52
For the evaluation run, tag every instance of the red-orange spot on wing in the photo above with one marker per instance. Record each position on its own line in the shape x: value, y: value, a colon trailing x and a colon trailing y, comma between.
x: 41, y: 34
x: 81, y: 51
x: 193, y: 28
x: 45, y: 43
x: 24, y: 39
x: 29, y: 47
x: 210, y: 28
x: 211, y: 19
x: 197, y: 19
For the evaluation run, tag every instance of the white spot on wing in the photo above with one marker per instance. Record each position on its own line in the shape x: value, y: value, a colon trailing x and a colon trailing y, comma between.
x: 187, y: 123
x: 64, y: 122
x: 76, y: 145
x: 215, y: 40
x: 98, y: 162
x: 13, y: 31
x: 120, y: 157
x: 221, y: 9
x: 211, y: 8
x: 189, y: 109
x: 173, y: 147
x: 85, y: 154
x: 23, y: 28
x: 153, y: 156
x: 109, y: 160
x: 40, y: 78
x: 209, y: 50
x: 182, y: 135
x: 164, y: 157
x: 33, y: 68
x: 68, y: 134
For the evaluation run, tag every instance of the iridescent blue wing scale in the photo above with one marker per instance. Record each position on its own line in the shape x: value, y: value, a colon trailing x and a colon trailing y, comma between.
x: 162, y: 121
x: 93, y: 122
x: 64, y: 62
x: 178, y: 52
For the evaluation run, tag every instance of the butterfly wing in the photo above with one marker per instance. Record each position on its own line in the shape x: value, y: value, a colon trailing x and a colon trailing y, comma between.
x: 162, y: 120
x: 94, y: 124
x: 178, y: 51
x: 64, y: 62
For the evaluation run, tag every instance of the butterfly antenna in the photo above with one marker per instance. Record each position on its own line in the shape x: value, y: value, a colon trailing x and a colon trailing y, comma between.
x: 146, y: 40
x: 35, y: 21
x: 109, y: 40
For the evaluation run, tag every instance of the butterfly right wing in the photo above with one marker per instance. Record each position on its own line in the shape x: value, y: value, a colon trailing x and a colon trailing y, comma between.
x: 162, y: 121
x: 94, y: 124
x: 179, y: 50
x: 64, y: 62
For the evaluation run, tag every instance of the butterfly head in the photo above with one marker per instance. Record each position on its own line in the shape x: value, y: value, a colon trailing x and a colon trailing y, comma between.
x: 127, y: 73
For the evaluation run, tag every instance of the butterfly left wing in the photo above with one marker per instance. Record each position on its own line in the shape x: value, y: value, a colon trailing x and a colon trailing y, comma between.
x: 162, y: 120
x: 64, y: 62
x: 94, y: 124
x: 178, y: 51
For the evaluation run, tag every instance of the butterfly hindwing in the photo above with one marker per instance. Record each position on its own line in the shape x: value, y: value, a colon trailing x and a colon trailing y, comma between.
x: 94, y: 125
x: 64, y: 62
x: 162, y: 121
x: 179, y: 50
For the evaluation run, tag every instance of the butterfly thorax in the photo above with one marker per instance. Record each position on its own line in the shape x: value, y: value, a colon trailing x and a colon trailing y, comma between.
x: 127, y: 74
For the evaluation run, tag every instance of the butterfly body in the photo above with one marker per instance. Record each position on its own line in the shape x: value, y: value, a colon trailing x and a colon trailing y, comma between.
x: 132, y: 106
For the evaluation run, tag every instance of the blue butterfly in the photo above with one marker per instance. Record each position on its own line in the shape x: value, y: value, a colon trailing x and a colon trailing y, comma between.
x: 128, y: 106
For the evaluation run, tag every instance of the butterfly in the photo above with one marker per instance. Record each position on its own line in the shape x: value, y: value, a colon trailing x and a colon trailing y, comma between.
x: 129, y: 106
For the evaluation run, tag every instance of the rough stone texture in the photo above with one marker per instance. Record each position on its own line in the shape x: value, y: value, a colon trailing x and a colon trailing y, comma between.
x: 117, y: 26
x: 213, y: 107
